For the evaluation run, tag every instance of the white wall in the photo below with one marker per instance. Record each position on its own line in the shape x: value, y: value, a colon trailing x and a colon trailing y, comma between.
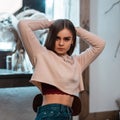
x: 105, y: 70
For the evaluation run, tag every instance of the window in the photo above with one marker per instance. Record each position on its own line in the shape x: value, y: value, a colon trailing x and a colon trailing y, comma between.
x: 10, y: 6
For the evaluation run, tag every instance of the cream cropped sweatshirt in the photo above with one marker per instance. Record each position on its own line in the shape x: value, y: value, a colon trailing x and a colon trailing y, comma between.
x: 51, y: 68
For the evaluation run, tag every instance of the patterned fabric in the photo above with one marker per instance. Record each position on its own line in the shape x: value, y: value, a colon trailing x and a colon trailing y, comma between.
x: 54, y: 112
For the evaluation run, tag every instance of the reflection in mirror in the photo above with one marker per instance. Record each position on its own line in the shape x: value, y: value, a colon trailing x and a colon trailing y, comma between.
x: 11, y: 46
x: 13, y: 58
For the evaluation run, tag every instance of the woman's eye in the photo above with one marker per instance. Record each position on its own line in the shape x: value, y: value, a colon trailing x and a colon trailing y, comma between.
x: 57, y: 38
x: 67, y: 39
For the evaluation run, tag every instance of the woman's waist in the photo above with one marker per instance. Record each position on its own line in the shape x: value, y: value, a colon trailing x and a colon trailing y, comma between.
x: 58, y: 98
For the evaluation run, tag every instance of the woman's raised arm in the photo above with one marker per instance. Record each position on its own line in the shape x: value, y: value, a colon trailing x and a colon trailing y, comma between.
x: 96, y: 46
x: 29, y: 39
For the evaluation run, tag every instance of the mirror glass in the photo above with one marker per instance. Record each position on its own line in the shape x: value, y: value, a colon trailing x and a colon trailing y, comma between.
x: 16, y: 102
x: 12, y: 54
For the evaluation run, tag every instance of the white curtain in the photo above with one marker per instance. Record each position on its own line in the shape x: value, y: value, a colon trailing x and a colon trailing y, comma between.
x: 63, y: 9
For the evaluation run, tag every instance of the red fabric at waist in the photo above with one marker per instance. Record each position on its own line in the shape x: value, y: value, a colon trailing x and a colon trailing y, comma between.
x: 49, y: 89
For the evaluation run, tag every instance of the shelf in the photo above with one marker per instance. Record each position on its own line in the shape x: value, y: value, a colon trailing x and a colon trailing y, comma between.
x: 9, y: 78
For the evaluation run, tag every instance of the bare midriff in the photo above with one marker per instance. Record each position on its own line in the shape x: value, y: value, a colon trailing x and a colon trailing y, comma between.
x: 52, y: 95
x: 58, y: 99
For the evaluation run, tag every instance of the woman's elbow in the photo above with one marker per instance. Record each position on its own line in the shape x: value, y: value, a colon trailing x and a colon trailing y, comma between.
x: 21, y: 23
x: 103, y: 44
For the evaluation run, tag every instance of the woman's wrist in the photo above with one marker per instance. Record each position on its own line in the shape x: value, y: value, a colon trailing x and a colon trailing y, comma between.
x: 77, y: 30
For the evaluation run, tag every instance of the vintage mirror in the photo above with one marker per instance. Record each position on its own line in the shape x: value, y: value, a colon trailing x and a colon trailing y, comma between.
x: 15, y: 67
x: 12, y: 54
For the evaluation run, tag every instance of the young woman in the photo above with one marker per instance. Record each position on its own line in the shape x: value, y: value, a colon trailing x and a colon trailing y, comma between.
x: 58, y: 73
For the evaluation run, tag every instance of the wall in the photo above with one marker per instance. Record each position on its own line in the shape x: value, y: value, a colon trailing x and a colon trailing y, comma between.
x: 104, y: 71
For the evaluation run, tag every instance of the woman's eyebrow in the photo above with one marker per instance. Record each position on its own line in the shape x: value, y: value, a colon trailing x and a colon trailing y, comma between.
x: 68, y: 37
x: 57, y: 36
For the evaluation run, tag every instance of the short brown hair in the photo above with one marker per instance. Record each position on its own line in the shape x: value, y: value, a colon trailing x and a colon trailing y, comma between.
x: 55, y: 28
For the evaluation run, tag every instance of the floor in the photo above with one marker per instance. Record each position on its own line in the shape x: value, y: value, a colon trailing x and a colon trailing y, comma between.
x: 16, y: 103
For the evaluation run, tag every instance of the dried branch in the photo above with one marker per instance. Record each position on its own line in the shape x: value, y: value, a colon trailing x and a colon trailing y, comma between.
x: 118, y: 46
x: 113, y: 5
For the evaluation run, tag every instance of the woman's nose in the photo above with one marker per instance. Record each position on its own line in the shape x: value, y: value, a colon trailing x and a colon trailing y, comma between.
x: 61, y: 42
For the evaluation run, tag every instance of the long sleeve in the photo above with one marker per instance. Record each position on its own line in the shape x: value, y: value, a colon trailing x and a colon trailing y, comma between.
x: 96, y: 46
x: 29, y: 39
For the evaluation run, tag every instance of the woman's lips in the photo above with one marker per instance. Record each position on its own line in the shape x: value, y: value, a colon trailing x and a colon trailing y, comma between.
x: 61, y: 49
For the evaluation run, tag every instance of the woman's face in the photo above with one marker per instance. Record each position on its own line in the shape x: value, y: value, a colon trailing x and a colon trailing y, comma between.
x: 63, y: 42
